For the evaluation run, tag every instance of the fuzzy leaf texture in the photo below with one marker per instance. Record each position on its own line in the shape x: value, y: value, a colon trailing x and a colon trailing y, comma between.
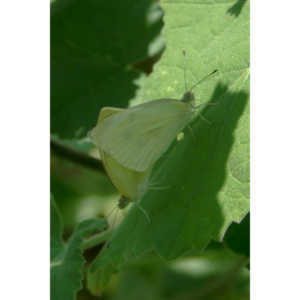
x: 66, y: 258
x: 205, y: 176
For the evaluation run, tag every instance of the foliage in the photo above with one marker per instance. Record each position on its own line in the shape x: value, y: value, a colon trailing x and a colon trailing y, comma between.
x: 66, y: 258
x: 98, y: 52
x: 91, y: 57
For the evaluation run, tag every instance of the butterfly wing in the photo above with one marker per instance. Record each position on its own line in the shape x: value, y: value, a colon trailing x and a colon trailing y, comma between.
x: 138, y: 136
x: 127, y: 181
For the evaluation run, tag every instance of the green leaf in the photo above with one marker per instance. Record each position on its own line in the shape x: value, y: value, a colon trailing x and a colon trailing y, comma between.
x: 203, y: 178
x: 66, y: 258
x: 93, y: 46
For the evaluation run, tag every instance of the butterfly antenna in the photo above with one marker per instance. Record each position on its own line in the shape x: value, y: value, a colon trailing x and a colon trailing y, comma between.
x: 184, y: 70
x: 203, y: 79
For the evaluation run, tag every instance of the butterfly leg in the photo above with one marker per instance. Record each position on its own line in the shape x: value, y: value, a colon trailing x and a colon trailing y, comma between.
x: 144, y: 212
x: 204, y: 119
x: 205, y: 103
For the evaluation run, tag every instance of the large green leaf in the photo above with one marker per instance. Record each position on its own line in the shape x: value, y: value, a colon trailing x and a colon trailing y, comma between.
x: 204, y: 177
x: 93, y: 45
x: 66, y: 258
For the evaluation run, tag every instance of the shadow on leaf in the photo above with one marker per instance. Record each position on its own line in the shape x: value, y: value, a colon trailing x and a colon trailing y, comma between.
x: 187, y: 215
x: 93, y: 46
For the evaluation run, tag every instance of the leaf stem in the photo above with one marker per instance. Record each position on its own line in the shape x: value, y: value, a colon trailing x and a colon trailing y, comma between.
x: 96, y: 239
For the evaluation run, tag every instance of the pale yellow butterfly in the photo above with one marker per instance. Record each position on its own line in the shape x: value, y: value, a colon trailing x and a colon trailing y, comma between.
x: 136, y: 137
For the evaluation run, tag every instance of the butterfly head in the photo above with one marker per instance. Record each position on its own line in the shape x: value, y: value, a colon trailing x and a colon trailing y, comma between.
x: 188, y: 97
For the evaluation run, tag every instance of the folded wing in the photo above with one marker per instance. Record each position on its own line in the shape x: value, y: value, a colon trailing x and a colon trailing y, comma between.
x: 138, y: 136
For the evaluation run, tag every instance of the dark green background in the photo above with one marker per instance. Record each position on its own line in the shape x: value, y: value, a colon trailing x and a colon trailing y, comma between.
x: 101, y: 53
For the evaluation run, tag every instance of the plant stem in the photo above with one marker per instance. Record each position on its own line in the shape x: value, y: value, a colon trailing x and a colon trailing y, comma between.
x: 75, y: 156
